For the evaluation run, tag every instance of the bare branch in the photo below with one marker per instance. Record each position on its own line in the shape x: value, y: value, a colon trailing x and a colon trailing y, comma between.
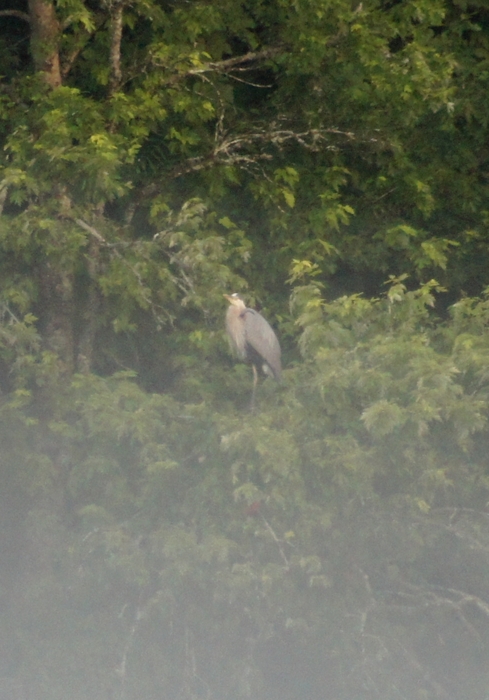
x: 442, y: 597
x: 83, y: 37
x: 91, y: 230
x: 246, y: 62
x: 230, y: 151
x: 73, y: 55
x: 114, y: 250
x: 15, y: 13
x: 462, y: 599
x: 121, y: 670
x: 250, y: 57
x: 69, y: 61
x: 278, y: 541
x: 241, y: 151
x: 248, y: 82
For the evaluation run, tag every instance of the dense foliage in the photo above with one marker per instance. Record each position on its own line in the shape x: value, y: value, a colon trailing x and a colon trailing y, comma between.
x: 327, y: 158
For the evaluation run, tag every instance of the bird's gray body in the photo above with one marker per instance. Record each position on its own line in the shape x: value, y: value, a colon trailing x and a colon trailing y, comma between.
x: 253, y: 338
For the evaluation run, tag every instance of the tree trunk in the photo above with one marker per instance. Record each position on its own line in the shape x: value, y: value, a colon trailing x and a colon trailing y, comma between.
x: 44, y: 40
x: 89, y: 320
x: 57, y: 313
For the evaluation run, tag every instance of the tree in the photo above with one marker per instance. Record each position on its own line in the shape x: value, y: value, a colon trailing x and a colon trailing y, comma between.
x: 210, y: 100
x: 160, y: 540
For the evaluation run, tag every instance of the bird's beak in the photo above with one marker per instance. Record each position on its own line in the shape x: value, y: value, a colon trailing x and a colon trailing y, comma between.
x: 226, y: 296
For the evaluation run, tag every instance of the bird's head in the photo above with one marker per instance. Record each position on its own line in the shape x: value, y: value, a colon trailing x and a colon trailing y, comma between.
x: 235, y: 300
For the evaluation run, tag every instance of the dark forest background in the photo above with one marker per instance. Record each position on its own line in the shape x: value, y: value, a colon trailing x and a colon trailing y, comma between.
x: 329, y: 160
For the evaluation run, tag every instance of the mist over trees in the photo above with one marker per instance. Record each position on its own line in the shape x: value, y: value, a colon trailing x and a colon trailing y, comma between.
x: 329, y: 160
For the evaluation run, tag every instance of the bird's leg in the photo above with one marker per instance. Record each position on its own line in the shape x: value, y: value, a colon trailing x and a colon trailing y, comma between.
x: 255, y: 382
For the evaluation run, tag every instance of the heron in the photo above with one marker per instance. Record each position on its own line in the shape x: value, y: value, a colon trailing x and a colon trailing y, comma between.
x: 253, y: 340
